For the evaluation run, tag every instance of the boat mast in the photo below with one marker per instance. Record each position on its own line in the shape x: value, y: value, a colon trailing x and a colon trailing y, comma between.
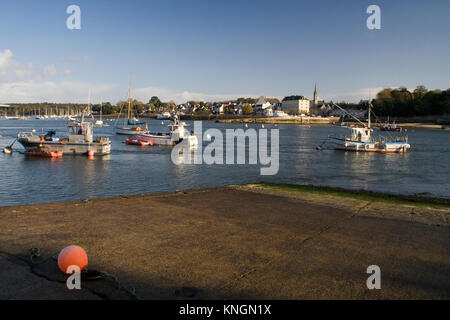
x: 370, y: 109
x: 101, y: 108
x: 129, y: 100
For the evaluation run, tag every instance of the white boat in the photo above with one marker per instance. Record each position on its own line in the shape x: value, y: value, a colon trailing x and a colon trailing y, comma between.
x: 360, y: 139
x: 80, y: 140
x: 163, y: 116
x: 177, y: 133
x: 280, y: 113
x: 130, y: 131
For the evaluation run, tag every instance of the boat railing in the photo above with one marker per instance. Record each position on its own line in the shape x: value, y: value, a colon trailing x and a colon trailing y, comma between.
x: 25, y: 134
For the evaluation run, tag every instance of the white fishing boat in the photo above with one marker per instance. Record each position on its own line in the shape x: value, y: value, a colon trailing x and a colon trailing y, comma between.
x: 177, y: 133
x: 361, y: 139
x: 80, y: 140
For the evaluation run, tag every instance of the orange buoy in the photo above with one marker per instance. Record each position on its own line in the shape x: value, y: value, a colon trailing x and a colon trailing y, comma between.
x: 72, y: 256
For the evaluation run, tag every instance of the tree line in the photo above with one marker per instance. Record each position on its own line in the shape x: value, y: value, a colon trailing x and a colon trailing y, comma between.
x: 107, y: 108
x: 401, y: 102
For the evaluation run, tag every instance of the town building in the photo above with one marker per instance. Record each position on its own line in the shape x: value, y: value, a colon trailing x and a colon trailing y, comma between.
x: 296, y: 105
x: 261, y: 105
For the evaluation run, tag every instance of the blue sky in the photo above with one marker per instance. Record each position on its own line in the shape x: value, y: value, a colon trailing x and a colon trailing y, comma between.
x: 214, y: 50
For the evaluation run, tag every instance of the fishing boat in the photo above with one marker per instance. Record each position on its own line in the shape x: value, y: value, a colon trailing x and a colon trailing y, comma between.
x: 80, y: 141
x: 361, y: 139
x: 177, y: 133
x: 132, y: 127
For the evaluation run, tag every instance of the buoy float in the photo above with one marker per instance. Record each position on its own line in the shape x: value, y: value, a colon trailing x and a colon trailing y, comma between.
x: 91, y: 153
x: 72, y: 256
x: 7, y: 150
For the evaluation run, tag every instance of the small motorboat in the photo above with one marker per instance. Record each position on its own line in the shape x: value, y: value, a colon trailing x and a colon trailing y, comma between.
x: 390, y: 127
x: 137, y: 142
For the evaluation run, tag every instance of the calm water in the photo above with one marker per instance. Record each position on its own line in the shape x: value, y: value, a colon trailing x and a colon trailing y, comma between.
x: 132, y: 169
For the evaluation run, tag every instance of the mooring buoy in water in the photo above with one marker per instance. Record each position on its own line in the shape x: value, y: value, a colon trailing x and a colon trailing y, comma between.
x: 7, y: 150
x: 318, y: 148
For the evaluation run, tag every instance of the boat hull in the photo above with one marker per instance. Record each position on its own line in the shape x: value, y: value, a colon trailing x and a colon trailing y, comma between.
x: 357, y: 146
x: 128, y: 131
x: 98, y: 148
x: 165, y: 139
x: 154, y: 139
x: 136, y: 142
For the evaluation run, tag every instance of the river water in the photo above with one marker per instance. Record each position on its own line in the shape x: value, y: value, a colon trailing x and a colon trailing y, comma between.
x: 133, y: 170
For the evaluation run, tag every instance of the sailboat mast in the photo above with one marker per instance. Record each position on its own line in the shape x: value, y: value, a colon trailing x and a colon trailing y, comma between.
x: 129, y: 100
x: 101, y: 109
x: 370, y: 107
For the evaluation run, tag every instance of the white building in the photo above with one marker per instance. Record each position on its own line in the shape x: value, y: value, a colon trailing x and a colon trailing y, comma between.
x: 296, y: 104
x: 261, y: 105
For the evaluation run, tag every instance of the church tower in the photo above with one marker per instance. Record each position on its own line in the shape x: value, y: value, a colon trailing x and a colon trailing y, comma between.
x: 316, y: 96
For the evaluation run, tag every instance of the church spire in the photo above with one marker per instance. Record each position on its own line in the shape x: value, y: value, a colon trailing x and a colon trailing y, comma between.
x: 316, y: 95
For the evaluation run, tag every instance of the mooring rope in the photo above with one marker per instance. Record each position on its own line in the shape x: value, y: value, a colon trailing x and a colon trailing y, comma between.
x: 36, y: 258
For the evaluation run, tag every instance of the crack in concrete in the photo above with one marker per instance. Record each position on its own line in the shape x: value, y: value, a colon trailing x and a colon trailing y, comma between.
x: 42, y: 276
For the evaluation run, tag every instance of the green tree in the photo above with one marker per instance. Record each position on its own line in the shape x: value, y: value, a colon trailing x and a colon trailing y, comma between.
x: 247, y: 109
x: 155, y: 101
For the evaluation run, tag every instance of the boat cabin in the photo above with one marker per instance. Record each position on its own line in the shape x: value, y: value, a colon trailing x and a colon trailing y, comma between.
x: 80, y: 131
x: 361, y: 134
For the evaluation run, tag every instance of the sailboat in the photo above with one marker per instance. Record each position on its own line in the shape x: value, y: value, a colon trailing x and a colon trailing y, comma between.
x: 360, y: 139
x: 131, y: 128
x: 100, y: 123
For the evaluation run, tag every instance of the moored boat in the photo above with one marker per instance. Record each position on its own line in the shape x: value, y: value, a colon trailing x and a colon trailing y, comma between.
x: 163, y: 116
x: 80, y: 141
x: 177, y: 133
x: 390, y: 127
x: 361, y: 139
x: 136, y: 141
x: 132, y: 127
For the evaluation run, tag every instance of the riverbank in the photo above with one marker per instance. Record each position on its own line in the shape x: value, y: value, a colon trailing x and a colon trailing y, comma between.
x: 294, y: 120
x: 262, y: 241
x: 282, y: 120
